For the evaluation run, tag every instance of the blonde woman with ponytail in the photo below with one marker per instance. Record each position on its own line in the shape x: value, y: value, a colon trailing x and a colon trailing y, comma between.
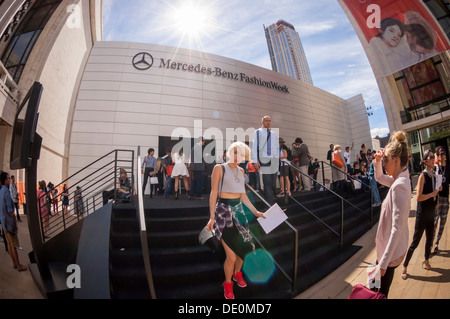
x: 392, y: 235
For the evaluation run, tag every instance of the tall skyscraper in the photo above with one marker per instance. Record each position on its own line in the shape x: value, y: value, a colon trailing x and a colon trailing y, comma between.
x: 286, y: 51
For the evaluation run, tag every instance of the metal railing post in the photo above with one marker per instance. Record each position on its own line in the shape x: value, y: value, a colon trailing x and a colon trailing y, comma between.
x: 323, y: 174
x: 40, y: 217
x: 143, y: 229
x: 132, y: 169
x: 295, y: 274
x: 66, y: 211
x: 353, y: 179
x: 99, y: 180
x: 295, y: 270
x: 342, y: 223
x: 341, y: 226
x: 371, y: 207
x: 115, y: 176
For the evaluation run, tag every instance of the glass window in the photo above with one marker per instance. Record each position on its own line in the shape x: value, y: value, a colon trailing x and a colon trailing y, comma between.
x: 422, y: 83
x: 405, y: 94
x: 20, y: 47
x: 443, y: 74
x: 16, y: 53
x: 441, y: 10
x: 435, y: 132
x: 437, y: 7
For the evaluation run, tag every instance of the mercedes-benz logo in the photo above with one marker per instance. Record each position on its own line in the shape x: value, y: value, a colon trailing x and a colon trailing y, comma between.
x: 143, y: 61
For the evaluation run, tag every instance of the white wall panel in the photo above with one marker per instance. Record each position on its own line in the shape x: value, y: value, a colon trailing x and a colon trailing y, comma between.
x: 90, y: 138
x: 94, y: 116
x: 98, y: 95
x: 93, y: 127
x: 103, y: 67
x: 137, y: 118
x: 146, y: 107
x: 120, y: 106
x: 139, y: 87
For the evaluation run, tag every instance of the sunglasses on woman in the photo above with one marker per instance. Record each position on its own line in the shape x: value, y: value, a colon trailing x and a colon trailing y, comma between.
x: 385, y: 159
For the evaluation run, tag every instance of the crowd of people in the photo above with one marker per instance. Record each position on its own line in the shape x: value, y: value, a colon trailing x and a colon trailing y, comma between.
x: 296, y: 170
x: 49, y: 198
x: 164, y: 174
x: 388, y: 167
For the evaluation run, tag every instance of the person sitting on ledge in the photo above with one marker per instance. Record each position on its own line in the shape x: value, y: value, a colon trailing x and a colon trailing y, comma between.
x: 124, y: 189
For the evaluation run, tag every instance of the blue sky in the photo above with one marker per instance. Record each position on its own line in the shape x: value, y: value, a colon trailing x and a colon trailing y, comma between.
x: 234, y: 29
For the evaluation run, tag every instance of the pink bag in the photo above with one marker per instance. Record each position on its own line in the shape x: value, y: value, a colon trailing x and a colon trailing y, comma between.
x: 362, y: 292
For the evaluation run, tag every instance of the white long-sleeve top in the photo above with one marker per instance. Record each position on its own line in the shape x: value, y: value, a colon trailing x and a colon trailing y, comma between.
x: 393, y: 234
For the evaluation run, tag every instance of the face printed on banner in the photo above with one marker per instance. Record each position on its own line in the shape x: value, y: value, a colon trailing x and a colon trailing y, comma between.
x: 393, y: 35
x: 400, y: 33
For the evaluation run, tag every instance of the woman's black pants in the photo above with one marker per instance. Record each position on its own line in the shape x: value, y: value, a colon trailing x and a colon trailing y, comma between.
x: 423, y: 223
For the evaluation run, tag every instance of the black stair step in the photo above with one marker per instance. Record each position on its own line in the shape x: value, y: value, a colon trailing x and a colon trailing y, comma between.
x: 171, y: 239
x: 178, y: 256
x: 125, y: 240
x: 128, y: 278
x: 314, y: 273
x: 178, y: 212
x: 190, y: 282
x: 126, y: 258
x: 171, y: 224
x: 125, y: 225
x: 182, y: 268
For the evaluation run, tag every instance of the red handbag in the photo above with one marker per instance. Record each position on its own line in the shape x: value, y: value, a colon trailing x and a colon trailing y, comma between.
x: 362, y: 292
x: 337, y: 160
x: 169, y: 169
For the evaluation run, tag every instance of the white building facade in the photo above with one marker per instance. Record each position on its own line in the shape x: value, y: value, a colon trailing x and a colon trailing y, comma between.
x: 135, y: 94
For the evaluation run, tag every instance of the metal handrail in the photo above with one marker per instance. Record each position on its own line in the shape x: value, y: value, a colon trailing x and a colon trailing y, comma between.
x: 90, y: 183
x: 341, y: 233
x: 348, y: 175
x: 143, y: 228
x: 352, y: 178
x: 347, y: 200
x: 342, y: 199
x: 91, y: 164
x: 54, y: 224
x: 292, y: 280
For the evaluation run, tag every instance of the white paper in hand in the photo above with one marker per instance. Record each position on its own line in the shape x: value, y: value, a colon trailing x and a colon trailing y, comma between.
x: 274, y: 217
x: 438, y: 181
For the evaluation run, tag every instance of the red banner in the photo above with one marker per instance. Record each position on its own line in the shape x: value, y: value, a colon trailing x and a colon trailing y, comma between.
x: 400, y: 33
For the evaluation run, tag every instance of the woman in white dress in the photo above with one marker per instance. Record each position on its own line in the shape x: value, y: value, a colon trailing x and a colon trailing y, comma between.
x: 180, y: 170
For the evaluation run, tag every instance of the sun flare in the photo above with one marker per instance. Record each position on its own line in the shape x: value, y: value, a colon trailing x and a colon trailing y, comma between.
x: 191, y: 19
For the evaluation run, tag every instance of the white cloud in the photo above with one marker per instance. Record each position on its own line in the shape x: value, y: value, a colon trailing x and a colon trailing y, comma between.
x: 380, y: 132
x: 309, y: 29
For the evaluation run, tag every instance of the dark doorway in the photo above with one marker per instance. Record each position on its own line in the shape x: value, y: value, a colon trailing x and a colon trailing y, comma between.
x: 444, y: 142
x: 166, y: 143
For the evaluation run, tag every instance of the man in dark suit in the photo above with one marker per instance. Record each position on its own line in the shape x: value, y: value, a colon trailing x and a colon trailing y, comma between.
x: 265, y: 155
